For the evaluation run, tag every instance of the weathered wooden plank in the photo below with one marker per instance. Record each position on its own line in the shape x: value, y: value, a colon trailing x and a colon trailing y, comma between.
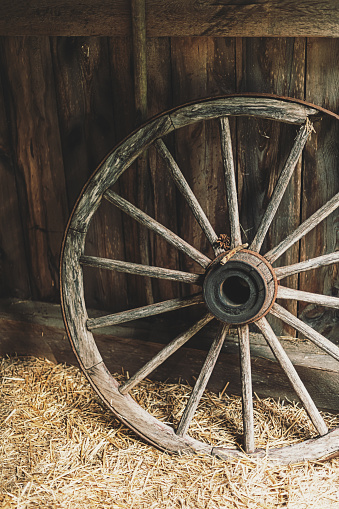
x: 122, y: 92
x: 173, y: 18
x: 36, y: 328
x: 163, y: 191
x: 281, y: 185
x: 271, y: 66
x: 85, y: 106
x: 87, y: 127
x: 201, y: 67
x: 189, y: 60
x: 28, y: 83
x: 138, y: 11
x: 321, y: 182
x: 14, y: 277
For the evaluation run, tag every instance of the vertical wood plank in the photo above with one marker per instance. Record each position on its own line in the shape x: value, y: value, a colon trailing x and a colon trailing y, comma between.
x: 321, y: 182
x: 202, y: 67
x: 273, y: 66
x: 189, y: 78
x: 121, y: 64
x: 163, y: 189
x: 83, y: 83
x: 14, y: 277
x: 28, y: 83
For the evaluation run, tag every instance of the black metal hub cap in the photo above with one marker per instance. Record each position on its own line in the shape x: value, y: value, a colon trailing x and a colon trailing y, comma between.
x: 241, y: 290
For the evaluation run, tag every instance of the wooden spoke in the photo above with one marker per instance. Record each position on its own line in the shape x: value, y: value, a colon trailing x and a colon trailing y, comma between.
x: 158, y: 228
x: 292, y: 375
x: 142, y: 270
x: 313, y: 263
x: 246, y: 388
x: 166, y: 352
x: 188, y: 194
x: 202, y: 381
x: 144, y: 312
x: 281, y: 185
x: 314, y: 336
x: 231, y: 188
x: 304, y: 228
x: 314, y: 298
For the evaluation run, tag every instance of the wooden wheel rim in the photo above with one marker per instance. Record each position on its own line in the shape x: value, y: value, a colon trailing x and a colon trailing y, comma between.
x: 72, y: 291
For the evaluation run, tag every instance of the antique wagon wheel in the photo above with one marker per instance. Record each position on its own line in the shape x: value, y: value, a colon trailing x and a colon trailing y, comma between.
x: 239, y: 286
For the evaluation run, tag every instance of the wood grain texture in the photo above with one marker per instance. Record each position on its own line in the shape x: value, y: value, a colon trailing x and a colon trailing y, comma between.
x: 163, y: 192
x: 321, y: 182
x: 138, y: 11
x: 265, y: 65
x: 281, y: 185
x: 28, y: 83
x: 309, y: 224
x: 283, y: 111
x: 122, y: 94
x: 230, y: 181
x: 145, y: 311
x: 311, y: 263
x: 142, y: 270
x: 189, y: 77
x: 23, y: 324
x: 173, y: 18
x: 201, y: 67
x: 314, y: 298
x: 86, y: 117
x: 246, y: 388
x: 310, y: 450
x: 85, y: 106
x: 73, y: 304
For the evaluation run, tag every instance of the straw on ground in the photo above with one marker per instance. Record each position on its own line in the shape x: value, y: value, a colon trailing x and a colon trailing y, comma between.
x: 60, y: 448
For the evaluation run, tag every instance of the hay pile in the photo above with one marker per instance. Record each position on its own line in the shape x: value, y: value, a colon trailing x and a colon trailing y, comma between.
x: 60, y: 448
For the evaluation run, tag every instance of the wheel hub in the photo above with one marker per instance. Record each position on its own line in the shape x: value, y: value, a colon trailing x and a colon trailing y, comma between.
x: 242, y: 290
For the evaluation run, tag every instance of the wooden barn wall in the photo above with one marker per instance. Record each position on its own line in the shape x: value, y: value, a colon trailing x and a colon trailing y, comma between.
x: 65, y: 102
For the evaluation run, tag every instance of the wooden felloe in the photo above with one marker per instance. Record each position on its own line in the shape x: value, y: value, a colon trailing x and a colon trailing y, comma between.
x: 246, y: 292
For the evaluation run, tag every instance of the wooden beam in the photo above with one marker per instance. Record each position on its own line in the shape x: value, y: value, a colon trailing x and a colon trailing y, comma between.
x: 36, y: 328
x: 266, y: 18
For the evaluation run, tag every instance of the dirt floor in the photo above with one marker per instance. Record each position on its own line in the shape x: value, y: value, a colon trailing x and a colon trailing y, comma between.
x: 60, y: 448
